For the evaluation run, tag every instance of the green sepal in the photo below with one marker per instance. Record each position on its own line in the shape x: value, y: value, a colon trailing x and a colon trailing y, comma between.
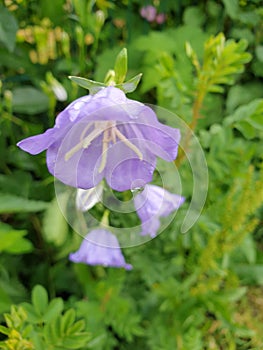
x: 91, y: 85
x: 95, y: 86
x: 130, y: 85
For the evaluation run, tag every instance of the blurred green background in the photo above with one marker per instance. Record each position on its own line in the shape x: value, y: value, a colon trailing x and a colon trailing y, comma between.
x: 193, y: 291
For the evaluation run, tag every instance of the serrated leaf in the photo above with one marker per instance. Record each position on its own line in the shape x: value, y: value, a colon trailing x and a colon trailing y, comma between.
x: 14, y: 204
x: 40, y: 299
x: 92, y: 86
x: 130, y: 85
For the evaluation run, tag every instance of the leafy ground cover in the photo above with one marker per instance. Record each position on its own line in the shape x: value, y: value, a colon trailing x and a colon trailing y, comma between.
x: 192, y: 287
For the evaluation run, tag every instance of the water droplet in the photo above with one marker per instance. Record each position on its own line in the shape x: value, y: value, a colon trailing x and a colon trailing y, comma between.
x: 137, y: 190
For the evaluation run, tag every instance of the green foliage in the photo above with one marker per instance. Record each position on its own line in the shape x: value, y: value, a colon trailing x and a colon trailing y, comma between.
x: 8, y: 29
x: 198, y: 290
x: 222, y: 61
x: 42, y: 325
x: 12, y: 204
x: 13, y: 241
x: 114, y: 77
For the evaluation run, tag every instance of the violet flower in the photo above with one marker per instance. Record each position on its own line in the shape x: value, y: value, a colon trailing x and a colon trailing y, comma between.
x: 105, y: 135
x: 160, y: 18
x: 148, y: 12
x: 100, y: 247
x: 153, y: 203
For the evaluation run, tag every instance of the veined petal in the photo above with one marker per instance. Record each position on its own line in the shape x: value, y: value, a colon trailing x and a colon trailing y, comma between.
x: 72, y: 112
x: 155, y: 202
x: 81, y: 170
x: 125, y: 170
x: 164, y: 140
x: 150, y: 227
x: 37, y: 144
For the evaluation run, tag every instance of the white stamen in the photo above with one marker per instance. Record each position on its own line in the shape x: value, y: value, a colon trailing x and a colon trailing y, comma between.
x: 85, y: 130
x: 105, y: 143
x: 84, y: 143
x: 128, y: 143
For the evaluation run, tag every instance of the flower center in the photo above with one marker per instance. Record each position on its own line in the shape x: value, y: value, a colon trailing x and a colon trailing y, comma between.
x: 110, y: 134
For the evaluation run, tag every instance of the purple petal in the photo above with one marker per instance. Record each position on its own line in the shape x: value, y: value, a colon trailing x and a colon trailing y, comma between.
x: 150, y: 227
x: 124, y: 168
x: 74, y: 146
x: 72, y: 112
x: 38, y: 143
x: 155, y: 202
x: 163, y: 139
x: 100, y: 247
x: 81, y: 170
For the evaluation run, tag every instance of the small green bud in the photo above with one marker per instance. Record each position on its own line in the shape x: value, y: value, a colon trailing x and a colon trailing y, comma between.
x: 121, y: 65
x: 110, y: 78
x: 79, y: 35
x: 100, y: 18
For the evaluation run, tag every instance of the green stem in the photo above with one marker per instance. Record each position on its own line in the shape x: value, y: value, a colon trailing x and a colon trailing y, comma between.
x: 197, y: 106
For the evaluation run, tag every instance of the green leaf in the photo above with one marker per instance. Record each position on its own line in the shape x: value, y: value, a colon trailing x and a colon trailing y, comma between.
x: 193, y: 16
x: 12, y: 240
x: 92, y: 86
x: 130, y: 85
x: 248, y: 118
x: 55, y: 227
x: 50, y: 334
x: 29, y: 100
x: 40, y: 299
x: 248, y: 247
x: 250, y: 274
x: 77, y: 340
x: 121, y: 65
x: 77, y: 327
x: 8, y: 29
x: 14, y: 204
x: 32, y: 315
x: 67, y: 320
x: 4, y: 330
x: 243, y: 94
x: 246, y: 129
x: 53, y: 310
x: 5, y: 300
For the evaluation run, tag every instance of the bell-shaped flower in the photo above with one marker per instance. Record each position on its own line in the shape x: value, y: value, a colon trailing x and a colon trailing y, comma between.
x: 105, y: 135
x: 100, y: 247
x: 153, y: 203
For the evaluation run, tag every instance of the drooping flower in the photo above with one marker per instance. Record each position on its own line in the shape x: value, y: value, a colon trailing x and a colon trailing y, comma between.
x: 153, y: 203
x: 105, y: 135
x: 148, y: 12
x: 100, y: 247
